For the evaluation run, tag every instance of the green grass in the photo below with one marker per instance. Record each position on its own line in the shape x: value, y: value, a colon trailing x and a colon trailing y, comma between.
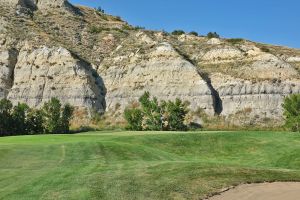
x: 128, y: 165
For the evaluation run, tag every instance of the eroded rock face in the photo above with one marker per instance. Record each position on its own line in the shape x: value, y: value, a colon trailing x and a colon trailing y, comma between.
x: 43, y: 73
x: 164, y: 73
x: 219, y: 75
x: 42, y: 4
x: 268, y: 66
x: 8, y: 59
x: 37, y: 4
x: 262, y: 99
x: 224, y: 53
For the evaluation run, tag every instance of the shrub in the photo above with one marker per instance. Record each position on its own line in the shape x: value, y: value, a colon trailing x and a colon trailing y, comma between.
x: 213, y: 35
x: 127, y: 27
x: 151, y: 111
x: 139, y: 28
x: 265, y: 49
x: 118, y: 18
x: 134, y: 118
x: 95, y: 29
x: 178, y: 32
x: 5, y: 117
x: 99, y: 9
x: 154, y: 116
x: 51, y: 111
x: 19, y: 114
x: 194, y: 33
x: 35, y: 122
x: 66, y: 116
x: 57, y: 119
x: 291, y: 113
x: 174, y: 115
x: 21, y: 119
x: 235, y: 40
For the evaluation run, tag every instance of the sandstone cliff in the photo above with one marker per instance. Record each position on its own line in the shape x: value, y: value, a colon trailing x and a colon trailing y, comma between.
x: 99, y: 62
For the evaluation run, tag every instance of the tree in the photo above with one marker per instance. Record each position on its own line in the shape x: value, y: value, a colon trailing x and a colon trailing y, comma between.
x: 291, y: 113
x: 174, y: 115
x: 194, y: 33
x: 19, y: 114
x: 21, y: 119
x: 66, y: 117
x: 52, y: 113
x: 35, y: 122
x: 213, y: 35
x: 178, y: 32
x: 99, y: 9
x: 5, y: 117
x: 155, y: 116
x: 134, y: 117
x: 152, y: 112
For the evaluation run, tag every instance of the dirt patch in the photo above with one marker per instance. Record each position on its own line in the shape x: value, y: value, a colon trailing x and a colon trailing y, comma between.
x: 263, y: 191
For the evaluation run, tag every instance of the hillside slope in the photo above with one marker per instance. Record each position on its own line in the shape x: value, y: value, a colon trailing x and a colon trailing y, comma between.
x: 99, y: 62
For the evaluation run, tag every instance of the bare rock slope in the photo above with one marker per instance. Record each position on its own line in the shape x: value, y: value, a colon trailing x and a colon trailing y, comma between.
x: 98, y: 62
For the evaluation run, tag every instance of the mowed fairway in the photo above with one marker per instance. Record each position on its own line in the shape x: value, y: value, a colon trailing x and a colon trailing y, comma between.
x: 142, y: 165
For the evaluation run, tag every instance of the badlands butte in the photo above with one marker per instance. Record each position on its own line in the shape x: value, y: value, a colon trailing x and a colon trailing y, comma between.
x: 97, y: 62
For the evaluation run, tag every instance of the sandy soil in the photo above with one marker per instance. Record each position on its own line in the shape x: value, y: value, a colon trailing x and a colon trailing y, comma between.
x: 264, y: 191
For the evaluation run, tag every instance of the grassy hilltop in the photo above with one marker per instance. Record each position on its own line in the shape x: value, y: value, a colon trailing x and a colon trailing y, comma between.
x: 142, y: 165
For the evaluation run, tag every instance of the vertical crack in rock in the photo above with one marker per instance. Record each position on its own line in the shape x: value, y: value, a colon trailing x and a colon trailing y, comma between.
x: 99, y: 82
x: 98, y: 101
x: 217, y: 101
x: 13, y: 63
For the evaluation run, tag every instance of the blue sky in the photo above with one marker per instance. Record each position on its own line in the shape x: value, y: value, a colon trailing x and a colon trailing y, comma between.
x: 267, y: 21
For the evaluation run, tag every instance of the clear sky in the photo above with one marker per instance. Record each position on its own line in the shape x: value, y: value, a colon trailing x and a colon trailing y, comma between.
x: 267, y: 21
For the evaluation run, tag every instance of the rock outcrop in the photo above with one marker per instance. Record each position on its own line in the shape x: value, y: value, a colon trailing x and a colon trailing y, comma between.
x: 162, y: 72
x: 97, y: 61
x: 8, y: 59
x: 43, y: 73
x: 38, y: 4
x: 26, y: 7
x: 263, y: 99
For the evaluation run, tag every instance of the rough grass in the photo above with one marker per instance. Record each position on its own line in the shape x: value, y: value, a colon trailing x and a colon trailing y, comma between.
x: 127, y: 165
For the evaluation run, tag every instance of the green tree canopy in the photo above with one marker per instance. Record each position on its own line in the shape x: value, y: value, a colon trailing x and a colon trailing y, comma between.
x: 154, y: 116
x: 213, y: 35
x: 19, y: 114
x: 20, y: 119
x: 67, y: 113
x: 291, y: 113
x: 35, y: 122
x: 52, y: 113
x: 5, y: 117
